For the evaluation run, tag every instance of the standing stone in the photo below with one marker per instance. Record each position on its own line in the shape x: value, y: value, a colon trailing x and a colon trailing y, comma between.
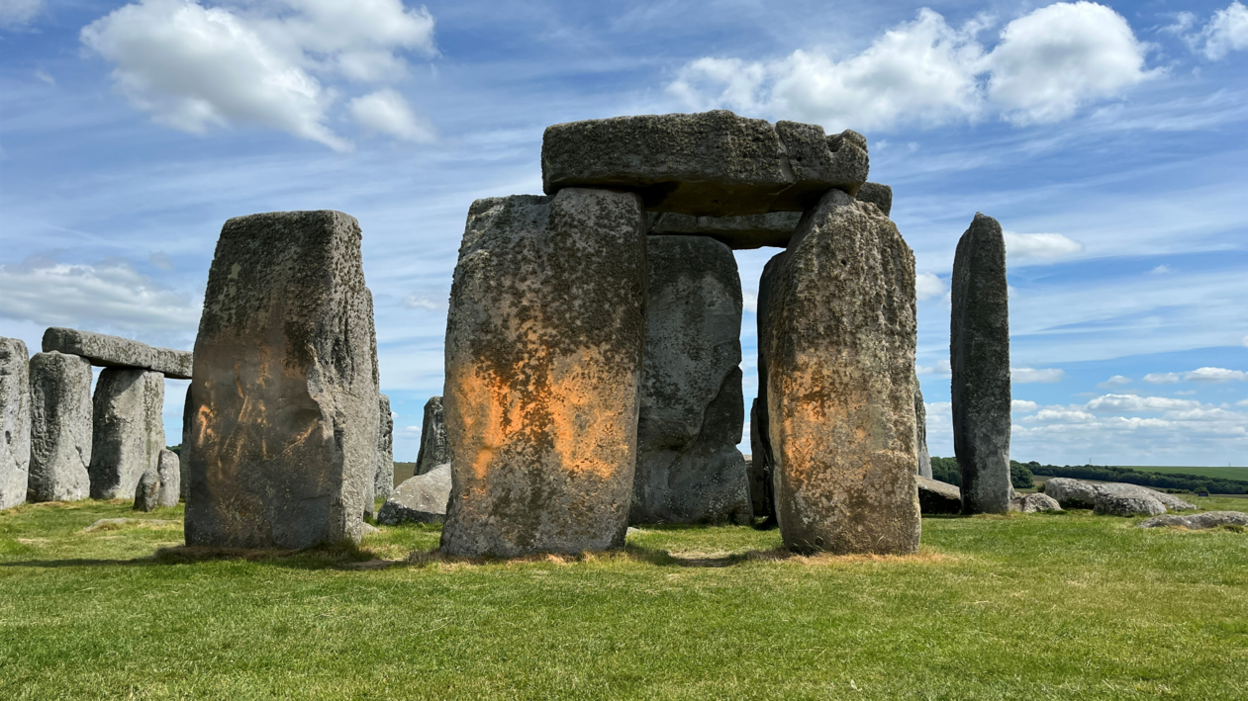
x: 688, y: 467
x: 114, y: 351
x: 760, y: 474
x: 147, y: 491
x: 184, y: 453
x: 169, y: 472
x: 14, y: 422
x: 60, y: 427
x: 283, y: 447
x: 979, y: 353
x: 384, y: 477
x: 434, y: 448
x: 920, y: 433
x: 762, y: 480
x: 840, y: 388
x: 544, y: 344
x: 127, y: 432
x: 879, y: 195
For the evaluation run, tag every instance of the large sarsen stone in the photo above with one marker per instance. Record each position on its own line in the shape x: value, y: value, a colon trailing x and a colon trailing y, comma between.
x: 383, y: 479
x: 284, y: 392
x: 14, y: 422
x: 60, y: 427
x: 434, y: 449
x: 127, y: 430
x: 114, y: 351
x: 544, y: 343
x: 420, y: 499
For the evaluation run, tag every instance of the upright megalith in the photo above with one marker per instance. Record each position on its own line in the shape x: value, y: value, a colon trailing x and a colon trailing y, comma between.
x: 879, y: 195
x: 840, y: 383
x: 979, y: 354
x: 920, y: 432
x: 688, y: 467
x: 114, y: 351
x: 60, y: 427
x: 169, y: 472
x: 544, y: 344
x: 283, y: 396
x: 434, y: 449
x: 127, y: 430
x: 14, y: 422
x: 184, y: 453
x: 762, y: 459
x: 383, y: 478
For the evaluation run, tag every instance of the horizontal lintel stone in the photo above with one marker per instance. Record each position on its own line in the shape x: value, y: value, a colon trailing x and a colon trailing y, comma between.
x: 113, y: 351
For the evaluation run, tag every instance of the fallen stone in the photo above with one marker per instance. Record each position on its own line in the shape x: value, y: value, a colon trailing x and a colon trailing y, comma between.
x: 707, y: 164
x: 384, y: 477
x: 1170, y: 501
x: 1118, y: 504
x: 920, y: 435
x: 147, y: 492
x: 879, y: 195
x: 434, y: 448
x: 741, y: 232
x: 840, y: 383
x: 1078, y: 494
x: 420, y: 499
x: 127, y: 430
x: 114, y: 351
x: 1031, y: 503
x: 1196, y: 522
x: 979, y: 354
x: 936, y: 497
x: 169, y: 473
x: 14, y: 422
x: 284, y: 400
x: 688, y: 467
x: 545, y: 336
x: 60, y: 428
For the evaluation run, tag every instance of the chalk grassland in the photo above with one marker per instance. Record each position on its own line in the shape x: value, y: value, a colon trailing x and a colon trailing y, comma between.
x: 1045, y: 606
x: 1228, y: 473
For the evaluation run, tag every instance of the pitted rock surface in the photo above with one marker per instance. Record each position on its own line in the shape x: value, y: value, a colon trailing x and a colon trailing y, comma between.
x: 741, y: 232
x: 1031, y: 503
x: 706, y: 164
x: 419, y: 499
x: 979, y: 354
x: 1196, y: 522
x: 688, y: 467
x: 879, y: 195
x: 60, y: 427
x: 434, y: 448
x: 147, y: 492
x: 384, y: 477
x: 14, y: 422
x: 284, y: 396
x: 169, y: 472
x: 114, y: 351
x: 1126, y: 504
x: 544, y: 343
x: 1077, y: 494
x: 840, y: 383
x: 936, y: 497
x: 127, y: 430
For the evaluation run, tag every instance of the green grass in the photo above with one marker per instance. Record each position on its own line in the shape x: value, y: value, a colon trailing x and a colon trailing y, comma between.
x: 1229, y: 473
x: 1043, y: 606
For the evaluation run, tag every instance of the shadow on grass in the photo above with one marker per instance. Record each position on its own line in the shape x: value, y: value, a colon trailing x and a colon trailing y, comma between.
x: 345, y: 555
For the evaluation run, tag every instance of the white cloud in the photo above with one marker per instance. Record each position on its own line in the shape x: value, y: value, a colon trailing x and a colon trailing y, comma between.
x: 928, y: 285
x: 1245, y: 341
x: 1161, y: 270
x: 386, y: 112
x: 1115, y: 381
x: 1040, y: 246
x: 45, y: 77
x: 749, y: 301
x: 941, y: 369
x: 1215, y: 375
x: 161, y: 260
x: 1161, y: 378
x: 419, y: 301
x: 1059, y: 414
x: 1243, y: 402
x: 18, y: 13
x: 1131, y: 403
x: 1027, y: 375
x: 1023, y: 406
x: 1226, y: 32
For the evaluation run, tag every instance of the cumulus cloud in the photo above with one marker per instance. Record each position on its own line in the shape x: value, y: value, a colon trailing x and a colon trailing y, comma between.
x: 419, y: 300
x: 928, y: 285
x: 1045, y: 65
x: 195, y: 68
x: 1161, y: 378
x: 1133, y: 403
x: 1023, y: 406
x: 1161, y: 270
x: 1040, y: 247
x: 1115, y: 381
x: 1027, y: 375
x: 1227, y: 31
x: 941, y: 368
x: 386, y: 112
x: 1215, y: 375
x: 18, y: 13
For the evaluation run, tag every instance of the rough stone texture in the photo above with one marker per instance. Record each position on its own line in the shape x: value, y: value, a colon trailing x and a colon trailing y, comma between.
x: 741, y: 232
x: 1077, y: 494
x: 936, y: 497
x: 688, y: 467
x: 840, y: 383
x: 879, y: 195
x: 434, y: 448
x: 114, y: 351
x: 169, y: 472
x: 1170, y: 501
x: 979, y: 354
x: 920, y: 432
x: 1125, y: 504
x: 383, y: 480
x: 760, y: 475
x: 1194, y: 522
x: 147, y: 491
x: 14, y: 422
x: 1031, y: 503
x: 420, y: 499
x: 544, y: 343
x: 60, y: 427
x: 284, y: 392
x: 127, y: 430
x: 762, y: 465
x: 184, y: 453
x: 708, y: 164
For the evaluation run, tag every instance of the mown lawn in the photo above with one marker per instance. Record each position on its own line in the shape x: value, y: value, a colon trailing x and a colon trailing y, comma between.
x: 1046, y: 606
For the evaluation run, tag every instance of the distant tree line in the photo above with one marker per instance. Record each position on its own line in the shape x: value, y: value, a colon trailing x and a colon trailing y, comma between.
x: 946, y: 470
x: 1157, y: 480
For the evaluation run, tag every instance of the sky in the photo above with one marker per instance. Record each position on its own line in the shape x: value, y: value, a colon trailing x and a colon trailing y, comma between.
x: 1108, y: 140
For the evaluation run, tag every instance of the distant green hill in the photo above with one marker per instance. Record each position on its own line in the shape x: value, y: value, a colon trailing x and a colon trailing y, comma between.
x: 1226, y: 473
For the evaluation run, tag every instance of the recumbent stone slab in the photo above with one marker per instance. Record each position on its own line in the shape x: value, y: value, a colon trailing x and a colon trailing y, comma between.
x: 14, y: 422
x: 114, y: 351
x: 434, y: 449
x: 979, y: 354
x: 383, y: 479
x: 1194, y: 522
x: 60, y: 427
x: 936, y: 497
x: 544, y: 343
x: 1128, y: 504
x: 707, y: 164
x: 420, y: 499
x: 1031, y: 503
x: 688, y: 467
x: 284, y: 396
x: 840, y: 383
x: 127, y: 430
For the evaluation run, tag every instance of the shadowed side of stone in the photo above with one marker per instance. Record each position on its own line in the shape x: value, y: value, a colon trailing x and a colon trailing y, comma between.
x: 127, y: 430
x: 114, y: 351
x: 419, y: 499
x: 284, y: 396
x: 920, y: 434
x: 762, y: 460
x: 979, y: 354
x: 60, y: 427
x: 434, y: 449
x: 879, y: 195
x: 840, y: 383
x: 544, y: 345
x: 14, y: 422
x: 384, y: 477
x: 688, y: 467
x: 936, y: 497
x: 184, y: 453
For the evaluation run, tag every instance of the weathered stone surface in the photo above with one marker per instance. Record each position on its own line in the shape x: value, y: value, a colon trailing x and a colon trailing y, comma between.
x: 920, y: 432
x: 1126, y: 504
x: 544, y: 343
x: 688, y: 467
x: 169, y: 473
x: 762, y: 481
x: 879, y: 195
x: 60, y: 427
x: 383, y: 480
x: 840, y: 383
x: 434, y: 448
x: 420, y: 499
x: 1031, y: 503
x: 936, y: 497
x: 14, y: 422
x: 741, y: 232
x: 114, y: 351
x: 284, y: 391
x: 1077, y: 494
x: 147, y: 491
x: 184, y: 453
x: 707, y: 164
x: 760, y: 474
x: 1170, y: 501
x: 1195, y: 522
x: 127, y: 430
x: 979, y: 353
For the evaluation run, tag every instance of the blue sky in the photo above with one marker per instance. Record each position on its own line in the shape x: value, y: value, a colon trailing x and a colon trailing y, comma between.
x: 1108, y: 139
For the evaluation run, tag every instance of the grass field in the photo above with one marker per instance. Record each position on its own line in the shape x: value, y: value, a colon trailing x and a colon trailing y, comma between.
x: 1043, y: 606
x: 1230, y: 473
